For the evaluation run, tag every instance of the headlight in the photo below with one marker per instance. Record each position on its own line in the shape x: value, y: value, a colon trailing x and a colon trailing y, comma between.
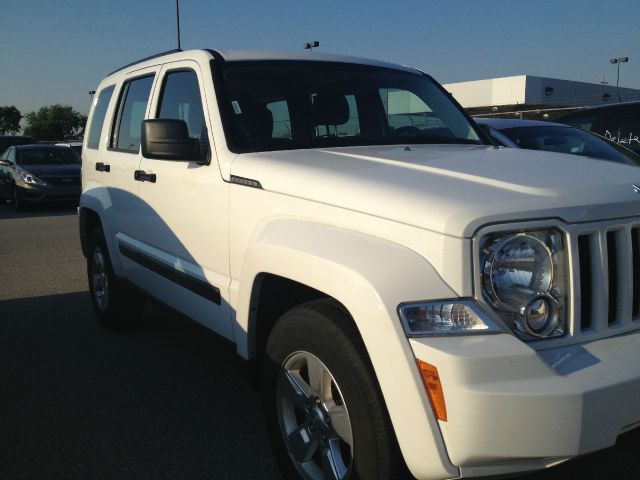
x: 445, y: 317
x: 523, y: 280
x: 31, y: 179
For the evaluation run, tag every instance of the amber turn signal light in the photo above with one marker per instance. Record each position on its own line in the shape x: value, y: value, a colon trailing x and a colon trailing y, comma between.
x: 432, y: 385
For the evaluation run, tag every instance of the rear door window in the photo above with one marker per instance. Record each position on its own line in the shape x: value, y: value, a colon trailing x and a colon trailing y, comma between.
x: 131, y: 112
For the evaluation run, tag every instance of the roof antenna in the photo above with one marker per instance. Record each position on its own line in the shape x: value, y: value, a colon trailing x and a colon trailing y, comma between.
x: 178, y: 21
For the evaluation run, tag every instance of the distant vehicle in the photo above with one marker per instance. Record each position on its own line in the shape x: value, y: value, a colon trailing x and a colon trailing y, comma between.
x: 555, y: 137
x: 7, y: 141
x: 75, y: 146
x: 619, y: 122
x: 39, y: 173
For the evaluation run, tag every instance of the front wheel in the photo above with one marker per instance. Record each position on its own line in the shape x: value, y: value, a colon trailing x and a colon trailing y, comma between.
x: 117, y: 305
x: 18, y: 199
x: 325, y: 415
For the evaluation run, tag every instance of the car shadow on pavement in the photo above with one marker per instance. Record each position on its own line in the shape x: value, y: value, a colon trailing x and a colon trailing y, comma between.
x: 168, y: 400
x: 38, y: 210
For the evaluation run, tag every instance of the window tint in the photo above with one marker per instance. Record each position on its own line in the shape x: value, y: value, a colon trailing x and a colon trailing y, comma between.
x: 47, y: 156
x: 281, y: 119
x: 99, y: 112
x: 585, y: 122
x: 289, y: 105
x: 326, y: 108
x: 132, y: 110
x: 181, y: 100
x: 624, y: 128
x: 563, y: 140
x: 406, y: 109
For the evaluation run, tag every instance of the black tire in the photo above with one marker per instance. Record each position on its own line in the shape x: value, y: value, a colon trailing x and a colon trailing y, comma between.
x: 117, y: 305
x: 322, y: 330
x: 18, y: 199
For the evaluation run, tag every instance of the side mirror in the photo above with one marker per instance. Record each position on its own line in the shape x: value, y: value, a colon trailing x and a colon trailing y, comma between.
x: 168, y: 139
x: 5, y: 163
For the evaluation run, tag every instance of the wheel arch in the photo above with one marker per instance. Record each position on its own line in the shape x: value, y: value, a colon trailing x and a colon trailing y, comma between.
x: 311, y: 260
x: 88, y: 219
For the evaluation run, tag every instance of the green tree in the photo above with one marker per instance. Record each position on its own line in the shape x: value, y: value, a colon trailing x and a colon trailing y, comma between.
x: 10, y: 118
x: 54, y: 122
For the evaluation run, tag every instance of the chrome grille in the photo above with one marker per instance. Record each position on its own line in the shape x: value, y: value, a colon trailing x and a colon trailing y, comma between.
x: 606, y: 279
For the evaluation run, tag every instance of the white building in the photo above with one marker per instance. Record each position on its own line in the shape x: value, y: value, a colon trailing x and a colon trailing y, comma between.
x: 522, y: 91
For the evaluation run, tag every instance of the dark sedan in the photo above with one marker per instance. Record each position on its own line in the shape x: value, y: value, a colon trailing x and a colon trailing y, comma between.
x: 555, y: 137
x: 39, y: 173
x: 619, y: 122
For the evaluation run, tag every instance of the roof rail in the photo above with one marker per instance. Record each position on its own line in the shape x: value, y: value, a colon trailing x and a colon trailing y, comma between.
x: 176, y: 50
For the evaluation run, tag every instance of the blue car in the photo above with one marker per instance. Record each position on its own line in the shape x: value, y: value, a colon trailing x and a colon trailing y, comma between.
x: 554, y: 137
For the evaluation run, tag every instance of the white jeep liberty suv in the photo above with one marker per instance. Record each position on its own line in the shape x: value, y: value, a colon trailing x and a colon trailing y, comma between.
x: 415, y: 300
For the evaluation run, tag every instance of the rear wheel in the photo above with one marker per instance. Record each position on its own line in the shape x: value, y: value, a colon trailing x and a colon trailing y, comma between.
x: 325, y: 415
x: 117, y: 305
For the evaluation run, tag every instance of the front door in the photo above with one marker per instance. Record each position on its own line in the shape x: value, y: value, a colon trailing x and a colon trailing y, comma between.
x: 184, y: 239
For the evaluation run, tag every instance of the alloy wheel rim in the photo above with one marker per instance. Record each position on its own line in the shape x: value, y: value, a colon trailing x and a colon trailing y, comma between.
x: 314, y: 419
x: 100, y: 280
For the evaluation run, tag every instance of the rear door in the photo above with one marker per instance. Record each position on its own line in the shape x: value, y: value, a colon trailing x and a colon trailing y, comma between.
x: 183, y: 242
x: 122, y: 159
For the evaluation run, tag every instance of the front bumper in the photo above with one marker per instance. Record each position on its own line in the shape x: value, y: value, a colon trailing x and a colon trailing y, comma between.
x: 512, y: 408
x: 50, y: 193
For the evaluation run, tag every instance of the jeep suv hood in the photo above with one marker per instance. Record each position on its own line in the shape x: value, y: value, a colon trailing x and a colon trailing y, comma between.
x: 451, y: 189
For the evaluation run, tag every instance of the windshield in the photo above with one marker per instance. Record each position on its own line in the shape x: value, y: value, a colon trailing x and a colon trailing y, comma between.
x: 288, y: 105
x: 564, y: 140
x: 47, y: 156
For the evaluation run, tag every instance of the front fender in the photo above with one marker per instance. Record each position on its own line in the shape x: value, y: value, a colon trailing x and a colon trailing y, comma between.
x: 370, y: 277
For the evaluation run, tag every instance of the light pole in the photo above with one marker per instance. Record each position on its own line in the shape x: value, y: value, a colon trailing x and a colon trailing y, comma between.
x: 618, y: 60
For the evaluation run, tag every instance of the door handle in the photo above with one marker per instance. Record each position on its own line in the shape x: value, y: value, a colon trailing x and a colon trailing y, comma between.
x: 142, y: 176
x: 102, y: 167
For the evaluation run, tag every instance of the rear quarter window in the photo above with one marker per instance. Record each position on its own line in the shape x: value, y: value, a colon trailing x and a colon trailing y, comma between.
x: 99, y: 113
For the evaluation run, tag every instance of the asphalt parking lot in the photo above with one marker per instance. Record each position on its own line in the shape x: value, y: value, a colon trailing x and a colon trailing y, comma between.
x: 169, y: 400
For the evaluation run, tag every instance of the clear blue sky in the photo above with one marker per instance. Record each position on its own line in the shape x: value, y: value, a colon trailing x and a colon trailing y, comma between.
x: 55, y: 51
